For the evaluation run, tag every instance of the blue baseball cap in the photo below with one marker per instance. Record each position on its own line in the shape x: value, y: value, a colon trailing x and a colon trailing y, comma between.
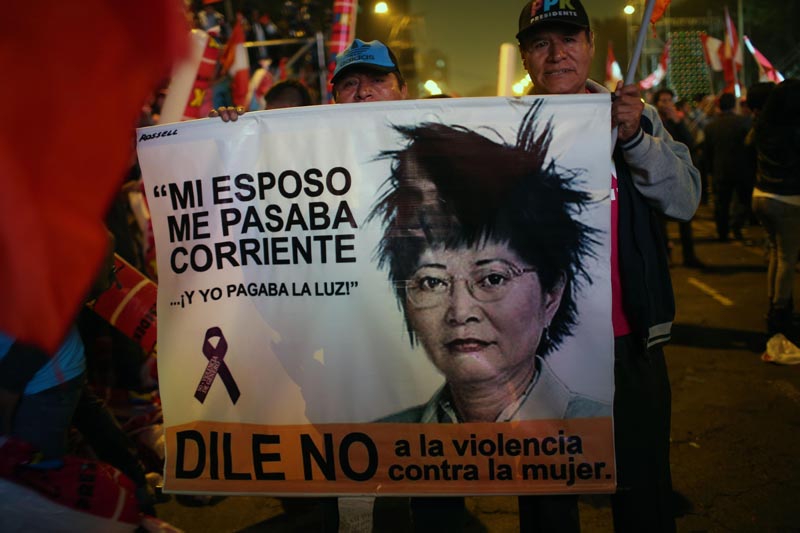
x: 373, y: 55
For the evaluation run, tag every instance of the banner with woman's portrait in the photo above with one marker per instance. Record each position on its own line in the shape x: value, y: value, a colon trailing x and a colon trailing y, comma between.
x: 392, y: 298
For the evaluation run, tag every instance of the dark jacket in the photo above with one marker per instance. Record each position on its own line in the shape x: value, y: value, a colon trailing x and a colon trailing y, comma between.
x: 725, y: 149
x: 778, y: 159
x: 655, y: 176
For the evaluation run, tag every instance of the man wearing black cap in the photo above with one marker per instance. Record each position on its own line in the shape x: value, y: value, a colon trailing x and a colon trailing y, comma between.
x: 653, y: 175
x: 367, y: 72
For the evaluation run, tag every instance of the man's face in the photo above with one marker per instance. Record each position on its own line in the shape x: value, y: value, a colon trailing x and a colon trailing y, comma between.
x: 362, y: 85
x: 557, y: 57
x: 664, y: 104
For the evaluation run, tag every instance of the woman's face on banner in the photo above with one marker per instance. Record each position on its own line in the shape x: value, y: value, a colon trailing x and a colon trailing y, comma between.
x: 478, y: 312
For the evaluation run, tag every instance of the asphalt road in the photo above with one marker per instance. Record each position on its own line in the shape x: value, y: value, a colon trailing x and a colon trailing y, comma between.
x: 735, y: 423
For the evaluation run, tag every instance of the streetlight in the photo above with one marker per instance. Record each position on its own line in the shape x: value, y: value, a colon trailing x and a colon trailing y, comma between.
x: 381, y: 8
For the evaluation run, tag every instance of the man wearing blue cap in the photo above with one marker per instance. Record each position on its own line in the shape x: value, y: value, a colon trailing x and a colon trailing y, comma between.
x: 367, y: 72
x: 653, y: 176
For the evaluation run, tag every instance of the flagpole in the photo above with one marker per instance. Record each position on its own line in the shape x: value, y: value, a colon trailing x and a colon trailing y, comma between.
x: 637, y: 52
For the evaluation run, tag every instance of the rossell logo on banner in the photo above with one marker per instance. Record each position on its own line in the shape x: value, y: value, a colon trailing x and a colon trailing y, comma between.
x: 392, y: 298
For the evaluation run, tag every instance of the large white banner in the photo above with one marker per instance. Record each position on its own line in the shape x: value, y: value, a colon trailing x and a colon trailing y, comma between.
x: 336, y: 280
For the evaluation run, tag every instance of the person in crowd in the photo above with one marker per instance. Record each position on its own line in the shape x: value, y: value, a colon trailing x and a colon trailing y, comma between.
x: 664, y: 101
x: 41, y: 397
x: 260, y: 28
x: 776, y: 197
x: 39, y: 393
x: 517, y: 303
x: 757, y: 95
x: 367, y: 72
x: 364, y: 72
x: 287, y: 93
x: 731, y: 174
x: 209, y: 18
x: 654, y: 176
x: 700, y: 112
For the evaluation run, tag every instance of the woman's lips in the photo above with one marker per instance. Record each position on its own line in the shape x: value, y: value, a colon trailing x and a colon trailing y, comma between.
x: 466, y: 345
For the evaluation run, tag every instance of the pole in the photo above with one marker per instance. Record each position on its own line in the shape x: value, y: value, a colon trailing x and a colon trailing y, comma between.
x: 637, y: 52
x: 628, y: 37
x: 323, y: 69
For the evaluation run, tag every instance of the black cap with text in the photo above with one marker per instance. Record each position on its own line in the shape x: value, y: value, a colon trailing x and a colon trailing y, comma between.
x: 540, y: 11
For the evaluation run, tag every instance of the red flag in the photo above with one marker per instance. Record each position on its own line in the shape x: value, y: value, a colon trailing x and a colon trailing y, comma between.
x: 613, y: 72
x: 236, y: 63
x: 731, y: 54
x: 658, y: 10
x: 64, y: 152
x: 766, y: 72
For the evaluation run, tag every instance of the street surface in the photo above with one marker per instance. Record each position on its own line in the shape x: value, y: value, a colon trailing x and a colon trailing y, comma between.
x: 735, y: 423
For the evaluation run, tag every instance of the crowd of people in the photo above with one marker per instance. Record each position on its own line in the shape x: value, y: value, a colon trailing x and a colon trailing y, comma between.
x: 743, y: 157
x: 748, y: 162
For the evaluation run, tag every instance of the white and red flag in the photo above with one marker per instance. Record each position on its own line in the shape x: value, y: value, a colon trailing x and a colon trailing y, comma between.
x: 711, y: 51
x: 236, y: 63
x: 766, y: 72
x: 732, y: 58
x: 658, y: 75
x: 613, y: 72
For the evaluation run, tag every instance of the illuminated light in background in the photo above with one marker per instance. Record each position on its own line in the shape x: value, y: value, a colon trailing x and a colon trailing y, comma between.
x: 522, y: 86
x: 432, y: 87
x: 629, y: 10
x: 381, y: 8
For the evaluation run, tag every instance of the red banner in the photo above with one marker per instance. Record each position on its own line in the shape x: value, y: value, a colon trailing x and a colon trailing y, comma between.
x: 130, y: 305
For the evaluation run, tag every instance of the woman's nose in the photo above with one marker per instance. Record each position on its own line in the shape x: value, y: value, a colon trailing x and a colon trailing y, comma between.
x: 462, y: 305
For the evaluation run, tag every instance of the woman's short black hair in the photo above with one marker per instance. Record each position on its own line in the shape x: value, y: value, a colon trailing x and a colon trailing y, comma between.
x: 453, y: 187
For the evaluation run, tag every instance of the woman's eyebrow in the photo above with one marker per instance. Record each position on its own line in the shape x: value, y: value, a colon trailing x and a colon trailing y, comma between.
x: 431, y: 265
x: 482, y: 262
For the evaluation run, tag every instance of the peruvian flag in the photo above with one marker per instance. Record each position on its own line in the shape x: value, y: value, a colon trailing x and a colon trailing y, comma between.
x: 711, y: 51
x: 613, y: 72
x: 236, y: 64
x: 766, y: 72
x: 731, y: 53
x: 657, y: 76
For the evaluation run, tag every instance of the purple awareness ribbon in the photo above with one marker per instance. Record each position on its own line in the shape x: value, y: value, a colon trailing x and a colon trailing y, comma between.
x: 215, y: 366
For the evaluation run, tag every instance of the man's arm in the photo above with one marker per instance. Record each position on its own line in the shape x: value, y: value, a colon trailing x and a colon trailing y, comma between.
x: 662, y: 170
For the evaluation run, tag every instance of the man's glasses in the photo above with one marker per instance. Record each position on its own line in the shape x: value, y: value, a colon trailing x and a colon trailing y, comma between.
x: 429, y: 289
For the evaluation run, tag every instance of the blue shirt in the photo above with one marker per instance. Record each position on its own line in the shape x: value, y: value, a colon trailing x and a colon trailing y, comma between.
x: 68, y: 363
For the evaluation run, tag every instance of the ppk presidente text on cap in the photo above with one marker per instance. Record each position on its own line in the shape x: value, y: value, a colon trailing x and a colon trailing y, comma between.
x: 540, y: 11
x: 373, y: 55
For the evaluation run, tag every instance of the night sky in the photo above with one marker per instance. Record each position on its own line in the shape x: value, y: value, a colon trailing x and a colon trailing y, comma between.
x: 470, y: 32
